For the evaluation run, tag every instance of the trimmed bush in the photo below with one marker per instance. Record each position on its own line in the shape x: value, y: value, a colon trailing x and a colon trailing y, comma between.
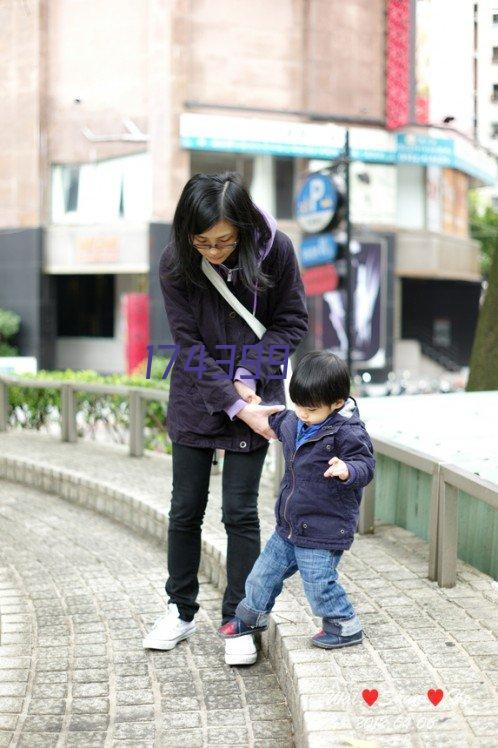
x: 10, y: 323
x: 33, y: 408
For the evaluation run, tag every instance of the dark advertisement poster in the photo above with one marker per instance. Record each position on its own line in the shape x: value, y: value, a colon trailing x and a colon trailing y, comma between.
x: 369, y: 284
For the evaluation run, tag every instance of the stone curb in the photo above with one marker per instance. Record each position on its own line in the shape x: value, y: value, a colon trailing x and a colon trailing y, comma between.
x: 291, y: 663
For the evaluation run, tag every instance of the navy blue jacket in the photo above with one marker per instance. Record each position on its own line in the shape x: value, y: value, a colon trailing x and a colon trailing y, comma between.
x: 197, y: 408
x: 313, y: 511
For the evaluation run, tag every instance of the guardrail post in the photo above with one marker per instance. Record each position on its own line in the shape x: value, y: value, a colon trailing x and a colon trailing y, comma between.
x: 137, y: 411
x: 4, y: 406
x: 279, y: 463
x: 447, y: 534
x: 367, y: 509
x: 433, y: 524
x: 68, y: 414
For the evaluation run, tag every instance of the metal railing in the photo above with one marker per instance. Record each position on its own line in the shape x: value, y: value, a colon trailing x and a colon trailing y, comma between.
x: 446, y: 479
x: 451, y: 480
x: 137, y: 398
x: 415, y: 459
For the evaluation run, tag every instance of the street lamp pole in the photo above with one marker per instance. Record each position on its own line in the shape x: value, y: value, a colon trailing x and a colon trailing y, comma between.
x: 344, y: 160
x: 349, y: 275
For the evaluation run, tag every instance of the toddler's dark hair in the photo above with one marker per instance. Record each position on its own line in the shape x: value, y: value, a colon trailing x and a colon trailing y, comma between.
x: 320, y: 378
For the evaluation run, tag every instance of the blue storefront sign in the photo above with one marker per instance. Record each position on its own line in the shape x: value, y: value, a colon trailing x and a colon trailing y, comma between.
x: 318, y: 249
x: 316, y: 203
x: 309, y: 140
x: 420, y: 149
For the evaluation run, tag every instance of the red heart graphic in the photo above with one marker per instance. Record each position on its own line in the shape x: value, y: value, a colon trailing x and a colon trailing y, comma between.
x: 370, y: 695
x: 434, y: 695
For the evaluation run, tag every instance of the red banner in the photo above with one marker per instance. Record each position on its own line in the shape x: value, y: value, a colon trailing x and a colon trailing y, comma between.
x: 136, y: 328
x: 422, y: 109
x: 319, y: 279
x: 398, y: 61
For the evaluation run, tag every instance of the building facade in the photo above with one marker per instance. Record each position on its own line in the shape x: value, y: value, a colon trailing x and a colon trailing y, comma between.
x: 486, y: 87
x: 109, y: 108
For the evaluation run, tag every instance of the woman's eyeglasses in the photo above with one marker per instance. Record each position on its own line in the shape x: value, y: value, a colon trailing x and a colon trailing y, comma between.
x: 218, y: 245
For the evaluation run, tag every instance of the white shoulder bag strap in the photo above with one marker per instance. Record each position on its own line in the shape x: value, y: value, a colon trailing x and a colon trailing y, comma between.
x: 251, y: 320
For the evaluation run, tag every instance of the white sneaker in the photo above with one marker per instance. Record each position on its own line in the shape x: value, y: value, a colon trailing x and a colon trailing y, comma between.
x: 168, y: 630
x: 241, y: 650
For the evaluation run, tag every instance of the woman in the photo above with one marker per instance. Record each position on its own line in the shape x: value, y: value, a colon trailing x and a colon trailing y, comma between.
x: 216, y: 219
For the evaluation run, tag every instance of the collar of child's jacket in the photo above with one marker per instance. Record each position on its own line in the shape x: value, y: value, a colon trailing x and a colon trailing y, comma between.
x: 346, y: 411
x: 303, y: 430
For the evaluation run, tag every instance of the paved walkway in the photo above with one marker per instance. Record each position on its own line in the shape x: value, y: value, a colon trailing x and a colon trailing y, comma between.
x: 77, y: 593
x: 417, y: 635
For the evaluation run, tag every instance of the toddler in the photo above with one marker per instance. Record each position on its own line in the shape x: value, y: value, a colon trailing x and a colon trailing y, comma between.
x: 328, y: 460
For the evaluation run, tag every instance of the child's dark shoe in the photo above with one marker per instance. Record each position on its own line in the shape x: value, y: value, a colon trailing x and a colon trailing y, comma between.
x: 332, y: 641
x: 236, y: 627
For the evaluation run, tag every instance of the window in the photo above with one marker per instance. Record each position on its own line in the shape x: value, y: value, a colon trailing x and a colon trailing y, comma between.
x: 495, y: 92
x: 441, y: 332
x: 494, y: 129
x: 411, y: 196
x: 284, y: 186
x: 495, y: 54
x: 85, y: 305
x: 70, y: 184
x: 495, y: 18
x: 211, y: 162
x: 276, y: 190
x: 102, y: 191
x: 121, y: 209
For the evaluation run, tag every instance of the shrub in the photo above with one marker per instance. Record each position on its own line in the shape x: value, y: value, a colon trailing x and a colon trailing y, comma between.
x: 30, y: 407
x: 9, y: 326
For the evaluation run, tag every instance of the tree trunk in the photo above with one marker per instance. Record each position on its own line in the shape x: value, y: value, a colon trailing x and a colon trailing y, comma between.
x: 484, y: 359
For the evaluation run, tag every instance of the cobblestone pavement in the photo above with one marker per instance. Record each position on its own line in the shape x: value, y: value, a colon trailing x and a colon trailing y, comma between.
x: 418, y: 636
x: 77, y: 593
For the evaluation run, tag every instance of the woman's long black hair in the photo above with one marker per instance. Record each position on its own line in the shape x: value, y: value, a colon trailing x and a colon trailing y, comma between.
x: 207, y: 199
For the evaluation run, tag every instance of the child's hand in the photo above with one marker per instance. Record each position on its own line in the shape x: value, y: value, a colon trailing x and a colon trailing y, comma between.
x: 338, y: 469
x: 246, y: 392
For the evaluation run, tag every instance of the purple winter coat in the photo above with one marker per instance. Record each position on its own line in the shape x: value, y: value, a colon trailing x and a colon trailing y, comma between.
x: 202, y: 412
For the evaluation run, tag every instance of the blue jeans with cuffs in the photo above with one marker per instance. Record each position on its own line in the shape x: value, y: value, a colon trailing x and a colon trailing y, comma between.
x: 281, y: 559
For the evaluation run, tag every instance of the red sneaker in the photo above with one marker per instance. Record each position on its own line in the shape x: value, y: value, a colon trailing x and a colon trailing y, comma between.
x: 236, y: 627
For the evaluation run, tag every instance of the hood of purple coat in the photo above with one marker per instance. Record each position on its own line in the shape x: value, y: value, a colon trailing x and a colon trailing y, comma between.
x: 272, y: 224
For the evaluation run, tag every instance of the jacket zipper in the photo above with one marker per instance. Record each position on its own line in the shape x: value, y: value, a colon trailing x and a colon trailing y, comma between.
x: 308, y: 441
x: 288, y: 497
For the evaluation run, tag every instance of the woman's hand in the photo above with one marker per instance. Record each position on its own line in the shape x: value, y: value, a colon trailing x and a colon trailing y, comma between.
x: 256, y: 416
x: 246, y: 392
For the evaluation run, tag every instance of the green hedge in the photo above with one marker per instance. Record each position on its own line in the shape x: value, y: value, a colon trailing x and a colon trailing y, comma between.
x: 10, y: 323
x: 33, y: 408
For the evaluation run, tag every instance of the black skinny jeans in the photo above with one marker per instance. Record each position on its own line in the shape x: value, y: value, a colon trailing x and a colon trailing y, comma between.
x: 240, y: 484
